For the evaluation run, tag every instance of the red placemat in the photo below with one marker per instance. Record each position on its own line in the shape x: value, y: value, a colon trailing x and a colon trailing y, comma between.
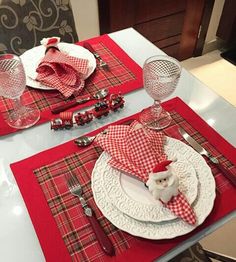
x: 40, y: 179
x: 124, y: 76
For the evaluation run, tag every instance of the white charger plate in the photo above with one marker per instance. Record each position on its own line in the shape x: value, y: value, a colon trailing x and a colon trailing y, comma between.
x: 130, y: 195
x: 31, y: 59
x: 202, y: 205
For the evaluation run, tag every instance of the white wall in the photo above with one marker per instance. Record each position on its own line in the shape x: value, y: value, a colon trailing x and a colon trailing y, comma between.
x: 211, y: 39
x: 86, y: 18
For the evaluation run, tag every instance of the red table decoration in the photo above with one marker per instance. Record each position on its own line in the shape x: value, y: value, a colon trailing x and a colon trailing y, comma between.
x: 58, y: 219
x: 124, y: 75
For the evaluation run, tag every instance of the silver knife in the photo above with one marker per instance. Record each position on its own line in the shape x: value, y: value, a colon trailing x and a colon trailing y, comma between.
x: 202, y: 151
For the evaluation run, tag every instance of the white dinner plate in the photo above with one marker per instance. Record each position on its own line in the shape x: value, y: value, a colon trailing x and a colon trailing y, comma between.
x: 130, y: 195
x: 32, y: 58
x: 202, y: 205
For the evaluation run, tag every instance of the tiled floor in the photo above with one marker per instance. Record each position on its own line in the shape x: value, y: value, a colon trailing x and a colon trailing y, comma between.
x: 219, y: 75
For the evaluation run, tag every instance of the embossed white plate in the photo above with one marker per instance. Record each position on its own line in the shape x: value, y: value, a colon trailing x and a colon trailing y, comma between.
x: 31, y: 58
x: 130, y: 195
x: 202, y: 205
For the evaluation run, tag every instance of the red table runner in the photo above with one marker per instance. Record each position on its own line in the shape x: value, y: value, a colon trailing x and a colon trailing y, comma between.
x: 124, y: 76
x: 52, y: 208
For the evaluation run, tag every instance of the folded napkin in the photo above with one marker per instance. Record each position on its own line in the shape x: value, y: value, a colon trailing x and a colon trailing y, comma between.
x: 140, y: 152
x: 61, y: 71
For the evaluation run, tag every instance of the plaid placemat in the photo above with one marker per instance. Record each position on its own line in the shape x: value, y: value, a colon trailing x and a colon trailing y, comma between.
x: 63, y: 213
x: 73, y: 225
x: 124, y: 76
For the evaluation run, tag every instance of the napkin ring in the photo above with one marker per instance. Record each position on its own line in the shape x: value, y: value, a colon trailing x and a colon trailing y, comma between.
x: 53, y: 47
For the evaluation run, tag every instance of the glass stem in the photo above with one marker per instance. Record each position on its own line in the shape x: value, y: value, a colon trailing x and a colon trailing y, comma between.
x: 157, y: 107
x: 157, y: 103
x: 18, y: 107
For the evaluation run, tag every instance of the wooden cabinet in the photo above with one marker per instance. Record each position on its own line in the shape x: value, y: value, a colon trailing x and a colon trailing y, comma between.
x: 173, y: 26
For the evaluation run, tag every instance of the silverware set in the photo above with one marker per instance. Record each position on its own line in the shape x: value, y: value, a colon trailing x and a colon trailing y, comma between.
x: 76, y: 189
x: 83, y: 141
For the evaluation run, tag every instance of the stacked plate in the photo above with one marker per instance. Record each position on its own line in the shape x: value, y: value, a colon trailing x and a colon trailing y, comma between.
x: 32, y: 58
x: 128, y: 204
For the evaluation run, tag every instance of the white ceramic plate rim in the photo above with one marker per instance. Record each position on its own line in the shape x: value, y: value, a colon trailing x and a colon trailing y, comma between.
x: 166, y: 230
x: 130, y: 200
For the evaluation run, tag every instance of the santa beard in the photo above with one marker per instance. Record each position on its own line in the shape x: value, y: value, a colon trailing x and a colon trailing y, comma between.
x: 164, y: 193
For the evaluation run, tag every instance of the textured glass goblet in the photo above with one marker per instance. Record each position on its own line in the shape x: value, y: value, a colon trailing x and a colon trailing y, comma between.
x: 161, y: 75
x: 12, y: 85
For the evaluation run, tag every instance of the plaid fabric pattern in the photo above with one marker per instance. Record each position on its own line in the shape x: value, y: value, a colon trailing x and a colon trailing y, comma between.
x: 64, y: 73
x: 222, y: 183
x: 118, y: 75
x: 67, y: 212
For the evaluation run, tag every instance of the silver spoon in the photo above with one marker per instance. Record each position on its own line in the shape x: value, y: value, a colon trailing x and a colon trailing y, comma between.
x: 84, y: 141
x: 98, y: 95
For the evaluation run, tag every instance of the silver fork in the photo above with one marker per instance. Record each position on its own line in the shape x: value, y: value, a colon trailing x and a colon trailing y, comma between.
x: 102, y: 63
x: 76, y: 190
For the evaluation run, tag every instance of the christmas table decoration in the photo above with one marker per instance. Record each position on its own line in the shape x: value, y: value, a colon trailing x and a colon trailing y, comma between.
x: 140, y: 152
x: 67, y: 120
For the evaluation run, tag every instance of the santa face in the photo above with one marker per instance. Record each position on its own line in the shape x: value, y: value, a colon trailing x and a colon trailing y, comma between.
x: 162, y: 183
x: 165, y: 188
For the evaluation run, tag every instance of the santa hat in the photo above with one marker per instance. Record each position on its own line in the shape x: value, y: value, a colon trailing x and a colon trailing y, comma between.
x: 160, y: 171
x: 51, y: 41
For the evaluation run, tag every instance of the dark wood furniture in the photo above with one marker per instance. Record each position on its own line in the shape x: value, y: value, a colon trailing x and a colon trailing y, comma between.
x: 173, y: 26
x: 227, y: 31
x: 227, y: 25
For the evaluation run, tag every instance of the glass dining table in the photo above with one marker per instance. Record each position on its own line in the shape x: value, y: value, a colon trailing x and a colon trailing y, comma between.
x: 18, y: 239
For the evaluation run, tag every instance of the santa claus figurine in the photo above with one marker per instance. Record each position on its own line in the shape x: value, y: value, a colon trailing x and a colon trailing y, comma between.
x: 162, y: 182
x: 50, y: 43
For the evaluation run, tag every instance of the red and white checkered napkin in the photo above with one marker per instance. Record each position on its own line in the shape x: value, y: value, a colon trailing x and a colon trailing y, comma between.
x: 181, y: 208
x: 133, y: 149
x: 137, y: 150
x: 63, y: 72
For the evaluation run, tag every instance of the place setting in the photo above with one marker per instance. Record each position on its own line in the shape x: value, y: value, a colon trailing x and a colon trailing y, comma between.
x: 63, y: 76
x: 148, y: 184
x: 138, y: 178
x: 77, y: 62
x: 128, y: 204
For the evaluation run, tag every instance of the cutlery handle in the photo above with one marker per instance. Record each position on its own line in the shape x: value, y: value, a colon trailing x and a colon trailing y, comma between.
x: 102, y: 238
x: 226, y: 173
x: 58, y: 109
x: 89, y: 47
x: 102, y: 63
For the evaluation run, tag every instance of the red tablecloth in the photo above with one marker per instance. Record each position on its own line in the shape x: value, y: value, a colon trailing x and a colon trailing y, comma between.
x: 124, y: 76
x: 58, y: 219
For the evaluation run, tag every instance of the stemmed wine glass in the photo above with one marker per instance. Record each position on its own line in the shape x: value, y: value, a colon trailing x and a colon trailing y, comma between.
x: 161, y: 75
x: 12, y: 85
